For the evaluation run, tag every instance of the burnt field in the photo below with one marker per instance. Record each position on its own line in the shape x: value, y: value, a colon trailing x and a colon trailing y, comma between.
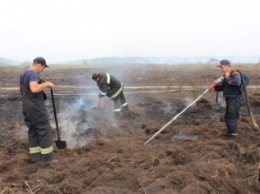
x: 107, y: 155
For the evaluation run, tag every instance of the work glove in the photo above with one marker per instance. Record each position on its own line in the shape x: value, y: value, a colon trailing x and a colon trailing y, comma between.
x: 219, y: 80
x: 100, y: 95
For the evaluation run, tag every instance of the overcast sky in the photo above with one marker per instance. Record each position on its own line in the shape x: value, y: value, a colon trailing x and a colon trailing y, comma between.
x: 61, y: 30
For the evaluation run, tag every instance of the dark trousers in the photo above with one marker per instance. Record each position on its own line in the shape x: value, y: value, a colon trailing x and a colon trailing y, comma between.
x: 232, y: 114
x: 39, y: 134
x: 119, y: 102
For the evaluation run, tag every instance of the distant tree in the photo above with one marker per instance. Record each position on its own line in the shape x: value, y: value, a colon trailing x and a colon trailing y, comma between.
x: 213, y: 60
x: 25, y: 63
x: 84, y: 61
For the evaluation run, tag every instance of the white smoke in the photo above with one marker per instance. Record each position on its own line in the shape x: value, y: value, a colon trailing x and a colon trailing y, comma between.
x: 221, y: 101
x: 73, y: 123
x: 81, y: 122
x: 187, y: 101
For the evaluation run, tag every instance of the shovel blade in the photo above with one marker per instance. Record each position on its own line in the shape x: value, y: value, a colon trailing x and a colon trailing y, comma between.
x: 61, y: 144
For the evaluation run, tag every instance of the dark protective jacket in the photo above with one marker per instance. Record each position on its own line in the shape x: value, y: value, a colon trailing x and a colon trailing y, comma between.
x: 231, y: 86
x: 109, y: 85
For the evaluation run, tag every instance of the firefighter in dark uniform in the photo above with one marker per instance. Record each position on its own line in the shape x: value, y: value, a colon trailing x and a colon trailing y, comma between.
x: 35, y: 113
x: 232, y: 91
x: 112, y: 88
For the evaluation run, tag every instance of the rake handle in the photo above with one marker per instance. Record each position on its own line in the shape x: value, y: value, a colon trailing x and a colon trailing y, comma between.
x: 175, y: 117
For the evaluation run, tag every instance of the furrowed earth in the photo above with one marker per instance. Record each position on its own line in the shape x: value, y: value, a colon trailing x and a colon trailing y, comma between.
x: 106, y: 154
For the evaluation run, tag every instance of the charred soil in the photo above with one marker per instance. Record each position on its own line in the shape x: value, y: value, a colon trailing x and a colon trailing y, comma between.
x: 106, y: 154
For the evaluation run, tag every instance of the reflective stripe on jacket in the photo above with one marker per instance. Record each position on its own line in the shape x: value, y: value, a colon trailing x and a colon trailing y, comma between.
x: 109, y: 85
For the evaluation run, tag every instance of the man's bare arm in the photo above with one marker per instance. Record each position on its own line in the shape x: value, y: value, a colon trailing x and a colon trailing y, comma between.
x: 35, y: 87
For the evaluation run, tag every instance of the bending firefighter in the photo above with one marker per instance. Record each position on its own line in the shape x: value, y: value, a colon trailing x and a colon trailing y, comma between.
x: 112, y: 88
x: 233, y: 93
x: 35, y: 113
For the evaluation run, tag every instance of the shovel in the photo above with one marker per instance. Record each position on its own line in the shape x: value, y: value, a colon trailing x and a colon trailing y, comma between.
x: 248, y: 103
x: 60, y: 144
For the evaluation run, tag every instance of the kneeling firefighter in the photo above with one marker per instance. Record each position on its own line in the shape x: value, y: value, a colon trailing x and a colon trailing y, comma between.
x: 112, y: 88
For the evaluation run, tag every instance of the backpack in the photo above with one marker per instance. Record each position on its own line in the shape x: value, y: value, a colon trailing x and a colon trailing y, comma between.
x: 245, y: 80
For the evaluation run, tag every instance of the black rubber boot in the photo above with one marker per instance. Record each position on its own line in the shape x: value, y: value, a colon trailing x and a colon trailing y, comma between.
x: 117, y: 114
x: 125, y: 108
x: 50, y: 162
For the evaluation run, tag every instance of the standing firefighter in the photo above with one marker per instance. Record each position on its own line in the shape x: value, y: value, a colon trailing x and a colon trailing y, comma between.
x: 112, y: 88
x: 232, y: 91
x: 35, y: 113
